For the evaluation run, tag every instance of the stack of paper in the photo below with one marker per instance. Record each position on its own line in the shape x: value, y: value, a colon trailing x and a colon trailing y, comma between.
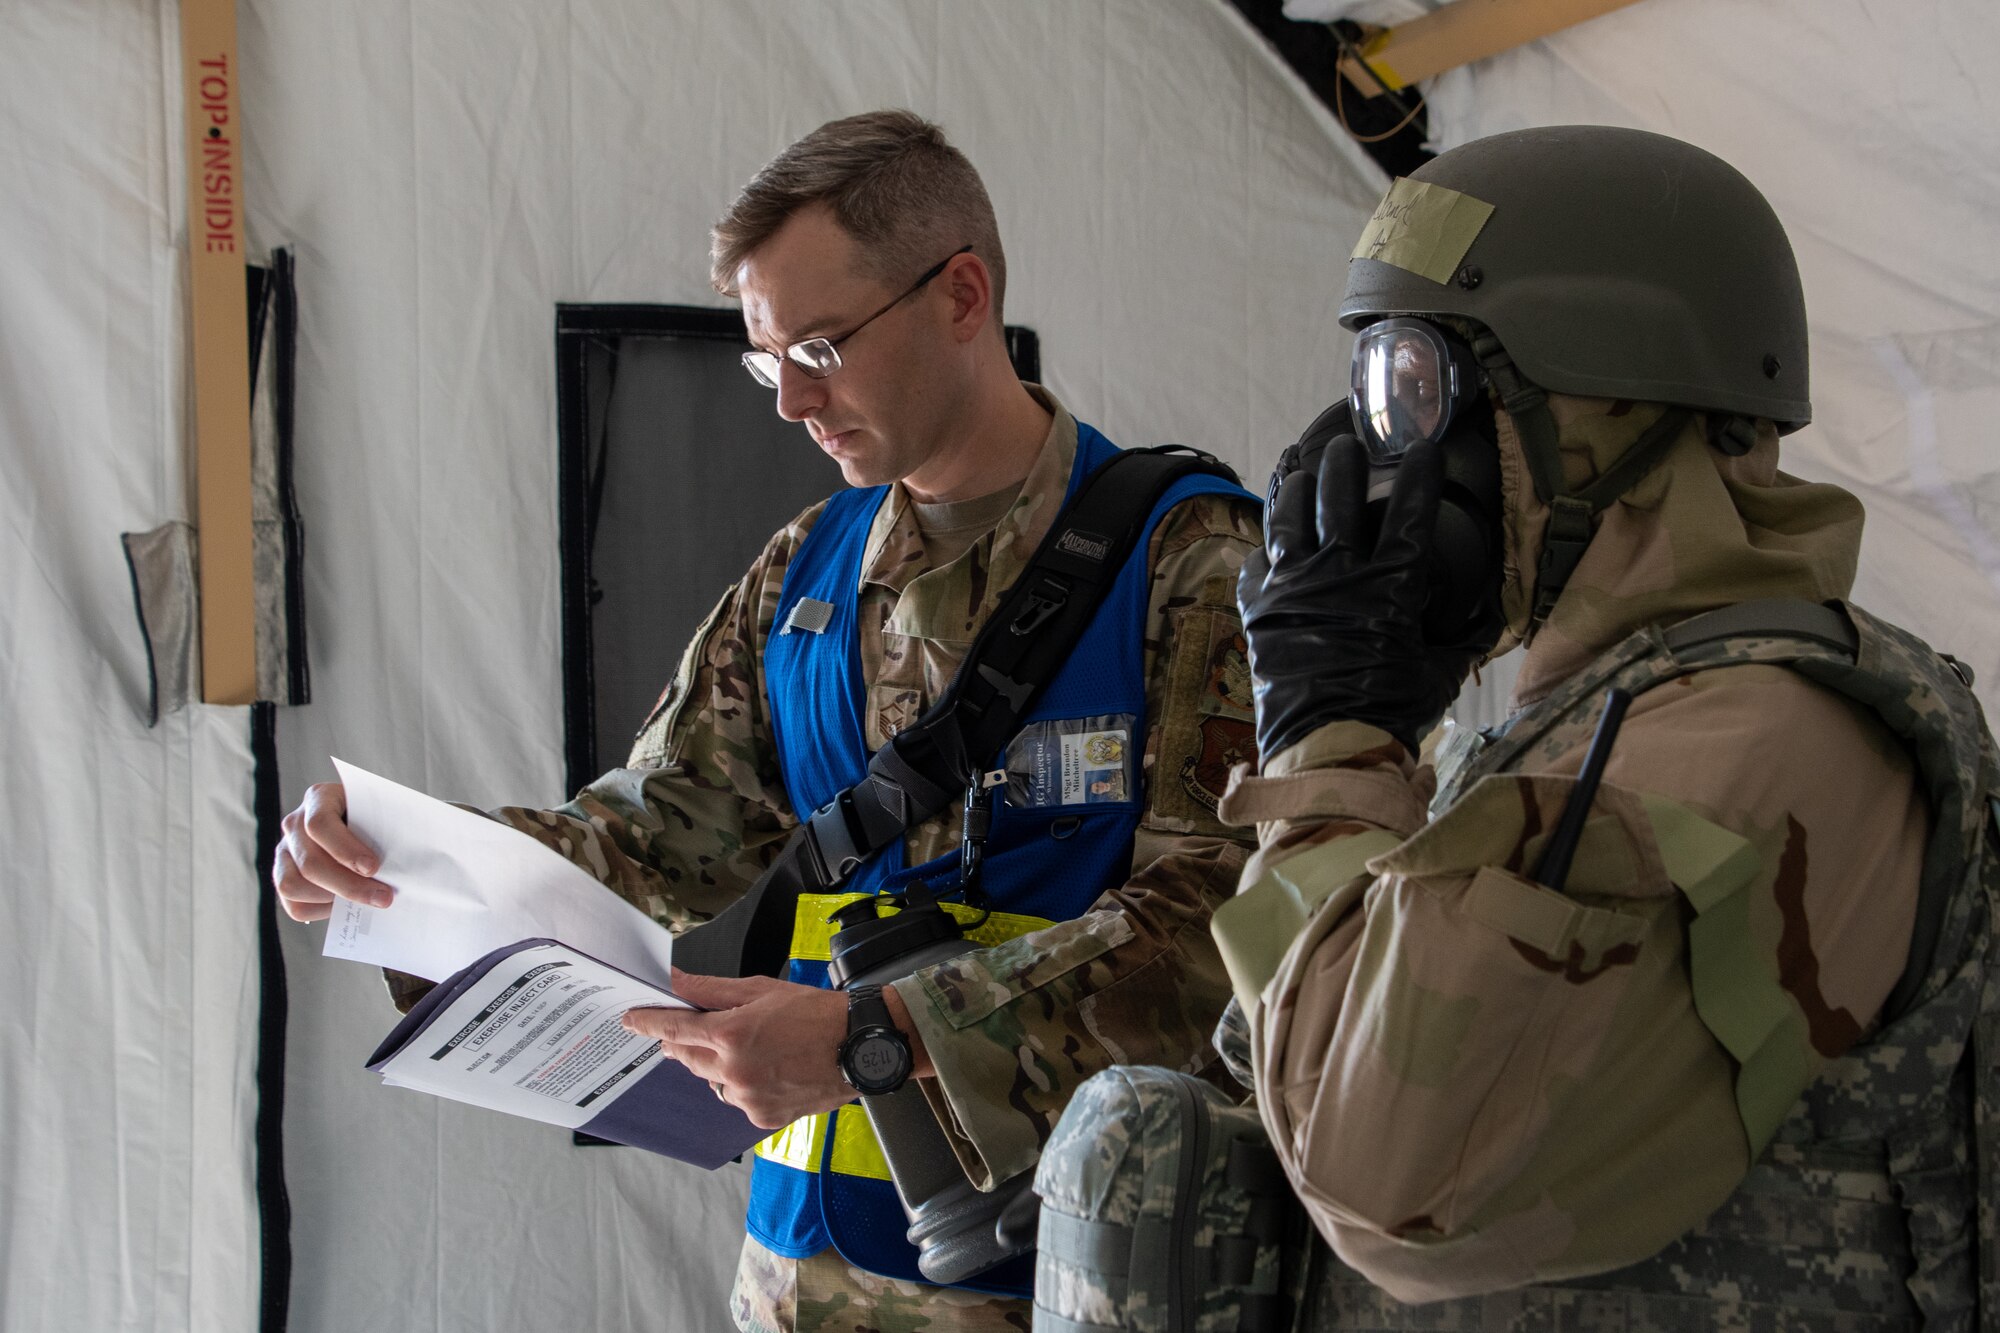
x: 536, y: 962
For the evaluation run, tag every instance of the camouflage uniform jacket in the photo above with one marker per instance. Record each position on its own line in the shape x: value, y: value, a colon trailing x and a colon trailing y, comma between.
x: 1670, y: 1095
x: 695, y: 817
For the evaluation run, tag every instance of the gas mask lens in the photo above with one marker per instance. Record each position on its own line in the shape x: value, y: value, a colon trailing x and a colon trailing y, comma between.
x: 1409, y: 382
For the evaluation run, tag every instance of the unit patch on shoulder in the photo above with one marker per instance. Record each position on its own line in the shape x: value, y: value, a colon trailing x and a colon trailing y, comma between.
x: 1225, y: 743
x: 1209, y: 724
x: 1229, y: 676
x: 1425, y: 229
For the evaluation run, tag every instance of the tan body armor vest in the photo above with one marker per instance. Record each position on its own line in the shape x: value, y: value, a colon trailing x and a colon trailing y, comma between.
x: 1875, y: 1205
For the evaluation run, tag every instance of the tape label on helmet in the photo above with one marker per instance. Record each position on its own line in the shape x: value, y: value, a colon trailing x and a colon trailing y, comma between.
x: 1425, y: 229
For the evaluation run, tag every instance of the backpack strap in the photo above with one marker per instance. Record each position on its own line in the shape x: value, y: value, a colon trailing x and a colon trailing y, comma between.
x: 1827, y: 649
x: 1769, y: 618
x: 926, y: 767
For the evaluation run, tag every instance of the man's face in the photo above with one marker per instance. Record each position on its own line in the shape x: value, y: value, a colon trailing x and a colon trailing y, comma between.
x: 889, y: 408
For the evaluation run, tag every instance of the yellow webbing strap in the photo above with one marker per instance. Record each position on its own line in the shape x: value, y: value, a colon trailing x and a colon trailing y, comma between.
x: 220, y: 351
x: 813, y: 928
x: 797, y: 1145
x: 855, y: 1149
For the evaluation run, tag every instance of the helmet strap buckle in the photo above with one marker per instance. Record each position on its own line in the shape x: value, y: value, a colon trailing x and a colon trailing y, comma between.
x: 1562, y: 550
x: 1729, y: 435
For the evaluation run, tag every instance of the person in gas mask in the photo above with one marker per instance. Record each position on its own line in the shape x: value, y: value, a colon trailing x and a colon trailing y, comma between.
x: 1732, y: 1067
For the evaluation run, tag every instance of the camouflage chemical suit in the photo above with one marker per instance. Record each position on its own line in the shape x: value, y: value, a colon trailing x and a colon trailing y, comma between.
x: 1671, y: 1089
x: 1737, y: 1069
x: 701, y: 808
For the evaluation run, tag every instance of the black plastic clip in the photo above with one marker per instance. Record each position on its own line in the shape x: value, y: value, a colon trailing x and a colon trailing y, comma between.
x: 1044, y: 600
x: 1013, y: 691
x: 973, y: 830
x: 830, y: 832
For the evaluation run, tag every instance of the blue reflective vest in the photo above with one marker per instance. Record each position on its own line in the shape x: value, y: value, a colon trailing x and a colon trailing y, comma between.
x: 822, y: 1180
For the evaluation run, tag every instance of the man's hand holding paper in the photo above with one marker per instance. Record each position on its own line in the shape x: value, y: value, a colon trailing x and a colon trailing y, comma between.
x: 320, y: 860
x: 463, y: 886
x: 538, y: 965
x: 765, y: 1046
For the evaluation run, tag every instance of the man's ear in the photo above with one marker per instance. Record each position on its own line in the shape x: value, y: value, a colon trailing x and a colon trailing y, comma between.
x: 969, y: 284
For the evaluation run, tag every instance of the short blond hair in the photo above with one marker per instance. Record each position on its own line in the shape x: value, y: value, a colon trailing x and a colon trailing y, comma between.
x: 894, y: 184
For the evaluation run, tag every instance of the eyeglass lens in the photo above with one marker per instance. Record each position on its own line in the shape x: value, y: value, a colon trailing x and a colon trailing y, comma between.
x: 815, y: 356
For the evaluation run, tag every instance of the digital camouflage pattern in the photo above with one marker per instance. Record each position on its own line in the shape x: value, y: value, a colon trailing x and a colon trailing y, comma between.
x: 823, y: 1295
x: 1125, y: 1243
x: 1670, y: 1096
x: 701, y: 808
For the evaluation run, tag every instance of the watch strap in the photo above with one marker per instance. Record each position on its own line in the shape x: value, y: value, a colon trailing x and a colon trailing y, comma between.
x: 867, y: 1009
x: 868, y: 1018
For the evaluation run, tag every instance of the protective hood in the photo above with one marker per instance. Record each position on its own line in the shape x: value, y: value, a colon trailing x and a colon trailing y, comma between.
x: 1700, y: 531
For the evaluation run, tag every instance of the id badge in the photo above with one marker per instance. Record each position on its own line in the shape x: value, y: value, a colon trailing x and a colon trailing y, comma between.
x: 1073, y: 761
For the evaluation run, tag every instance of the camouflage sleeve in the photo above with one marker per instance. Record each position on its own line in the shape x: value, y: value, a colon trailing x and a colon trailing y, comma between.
x: 1136, y: 980
x: 700, y: 808
x: 1477, y: 1082
x: 1343, y: 779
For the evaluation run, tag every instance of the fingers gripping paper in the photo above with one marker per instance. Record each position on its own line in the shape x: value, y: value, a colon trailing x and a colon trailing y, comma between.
x: 521, y: 1021
x: 466, y: 884
x: 1425, y: 229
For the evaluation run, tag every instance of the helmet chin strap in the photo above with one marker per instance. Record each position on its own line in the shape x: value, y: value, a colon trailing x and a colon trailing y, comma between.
x: 1570, y: 512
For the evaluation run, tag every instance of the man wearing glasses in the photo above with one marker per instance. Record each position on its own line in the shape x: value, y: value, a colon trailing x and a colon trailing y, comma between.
x: 871, y: 274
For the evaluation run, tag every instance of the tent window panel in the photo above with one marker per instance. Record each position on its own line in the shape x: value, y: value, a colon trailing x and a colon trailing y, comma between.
x: 675, y: 471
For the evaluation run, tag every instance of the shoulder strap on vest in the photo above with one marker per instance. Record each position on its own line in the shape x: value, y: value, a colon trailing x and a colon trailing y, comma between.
x: 1824, y: 644
x: 1770, y: 618
x: 1647, y: 658
x: 926, y: 767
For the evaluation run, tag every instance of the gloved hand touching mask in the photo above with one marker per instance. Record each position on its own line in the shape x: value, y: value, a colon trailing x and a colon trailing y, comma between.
x: 1371, y: 611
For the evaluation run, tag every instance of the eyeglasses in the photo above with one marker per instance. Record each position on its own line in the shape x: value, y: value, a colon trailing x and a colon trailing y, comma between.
x: 820, y: 357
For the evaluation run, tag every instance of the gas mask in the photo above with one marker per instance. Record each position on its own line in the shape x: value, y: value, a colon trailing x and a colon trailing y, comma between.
x: 1414, y: 381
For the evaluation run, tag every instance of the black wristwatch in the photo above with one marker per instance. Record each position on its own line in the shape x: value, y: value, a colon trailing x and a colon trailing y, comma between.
x: 875, y: 1058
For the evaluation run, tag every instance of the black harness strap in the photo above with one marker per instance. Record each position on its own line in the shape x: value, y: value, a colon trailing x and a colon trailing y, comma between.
x: 925, y: 768
x: 1775, y: 617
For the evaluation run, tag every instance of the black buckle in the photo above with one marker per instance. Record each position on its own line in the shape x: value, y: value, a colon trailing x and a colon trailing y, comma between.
x: 1044, y: 600
x: 1013, y: 691
x: 830, y: 835
x: 1562, y: 551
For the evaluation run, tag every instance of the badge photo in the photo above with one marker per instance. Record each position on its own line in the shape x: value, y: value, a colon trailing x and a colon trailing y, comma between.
x: 1072, y: 761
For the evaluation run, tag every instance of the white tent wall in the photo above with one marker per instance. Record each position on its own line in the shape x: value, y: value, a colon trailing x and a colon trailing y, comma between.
x: 1176, y: 214
x: 127, y: 967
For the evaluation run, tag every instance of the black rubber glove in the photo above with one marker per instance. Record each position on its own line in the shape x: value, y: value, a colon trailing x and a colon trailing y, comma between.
x: 1333, y: 610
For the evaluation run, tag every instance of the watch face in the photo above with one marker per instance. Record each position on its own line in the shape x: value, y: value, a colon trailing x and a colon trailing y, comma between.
x: 877, y: 1062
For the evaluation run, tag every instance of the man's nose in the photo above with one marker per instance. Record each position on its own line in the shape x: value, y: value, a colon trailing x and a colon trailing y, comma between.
x: 799, y: 394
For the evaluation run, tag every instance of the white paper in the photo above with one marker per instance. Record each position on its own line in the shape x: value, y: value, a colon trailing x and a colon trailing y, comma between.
x: 467, y: 885
x: 537, y: 1036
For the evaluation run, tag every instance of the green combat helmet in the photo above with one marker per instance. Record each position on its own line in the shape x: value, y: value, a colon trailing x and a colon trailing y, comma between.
x: 1603, y: 262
